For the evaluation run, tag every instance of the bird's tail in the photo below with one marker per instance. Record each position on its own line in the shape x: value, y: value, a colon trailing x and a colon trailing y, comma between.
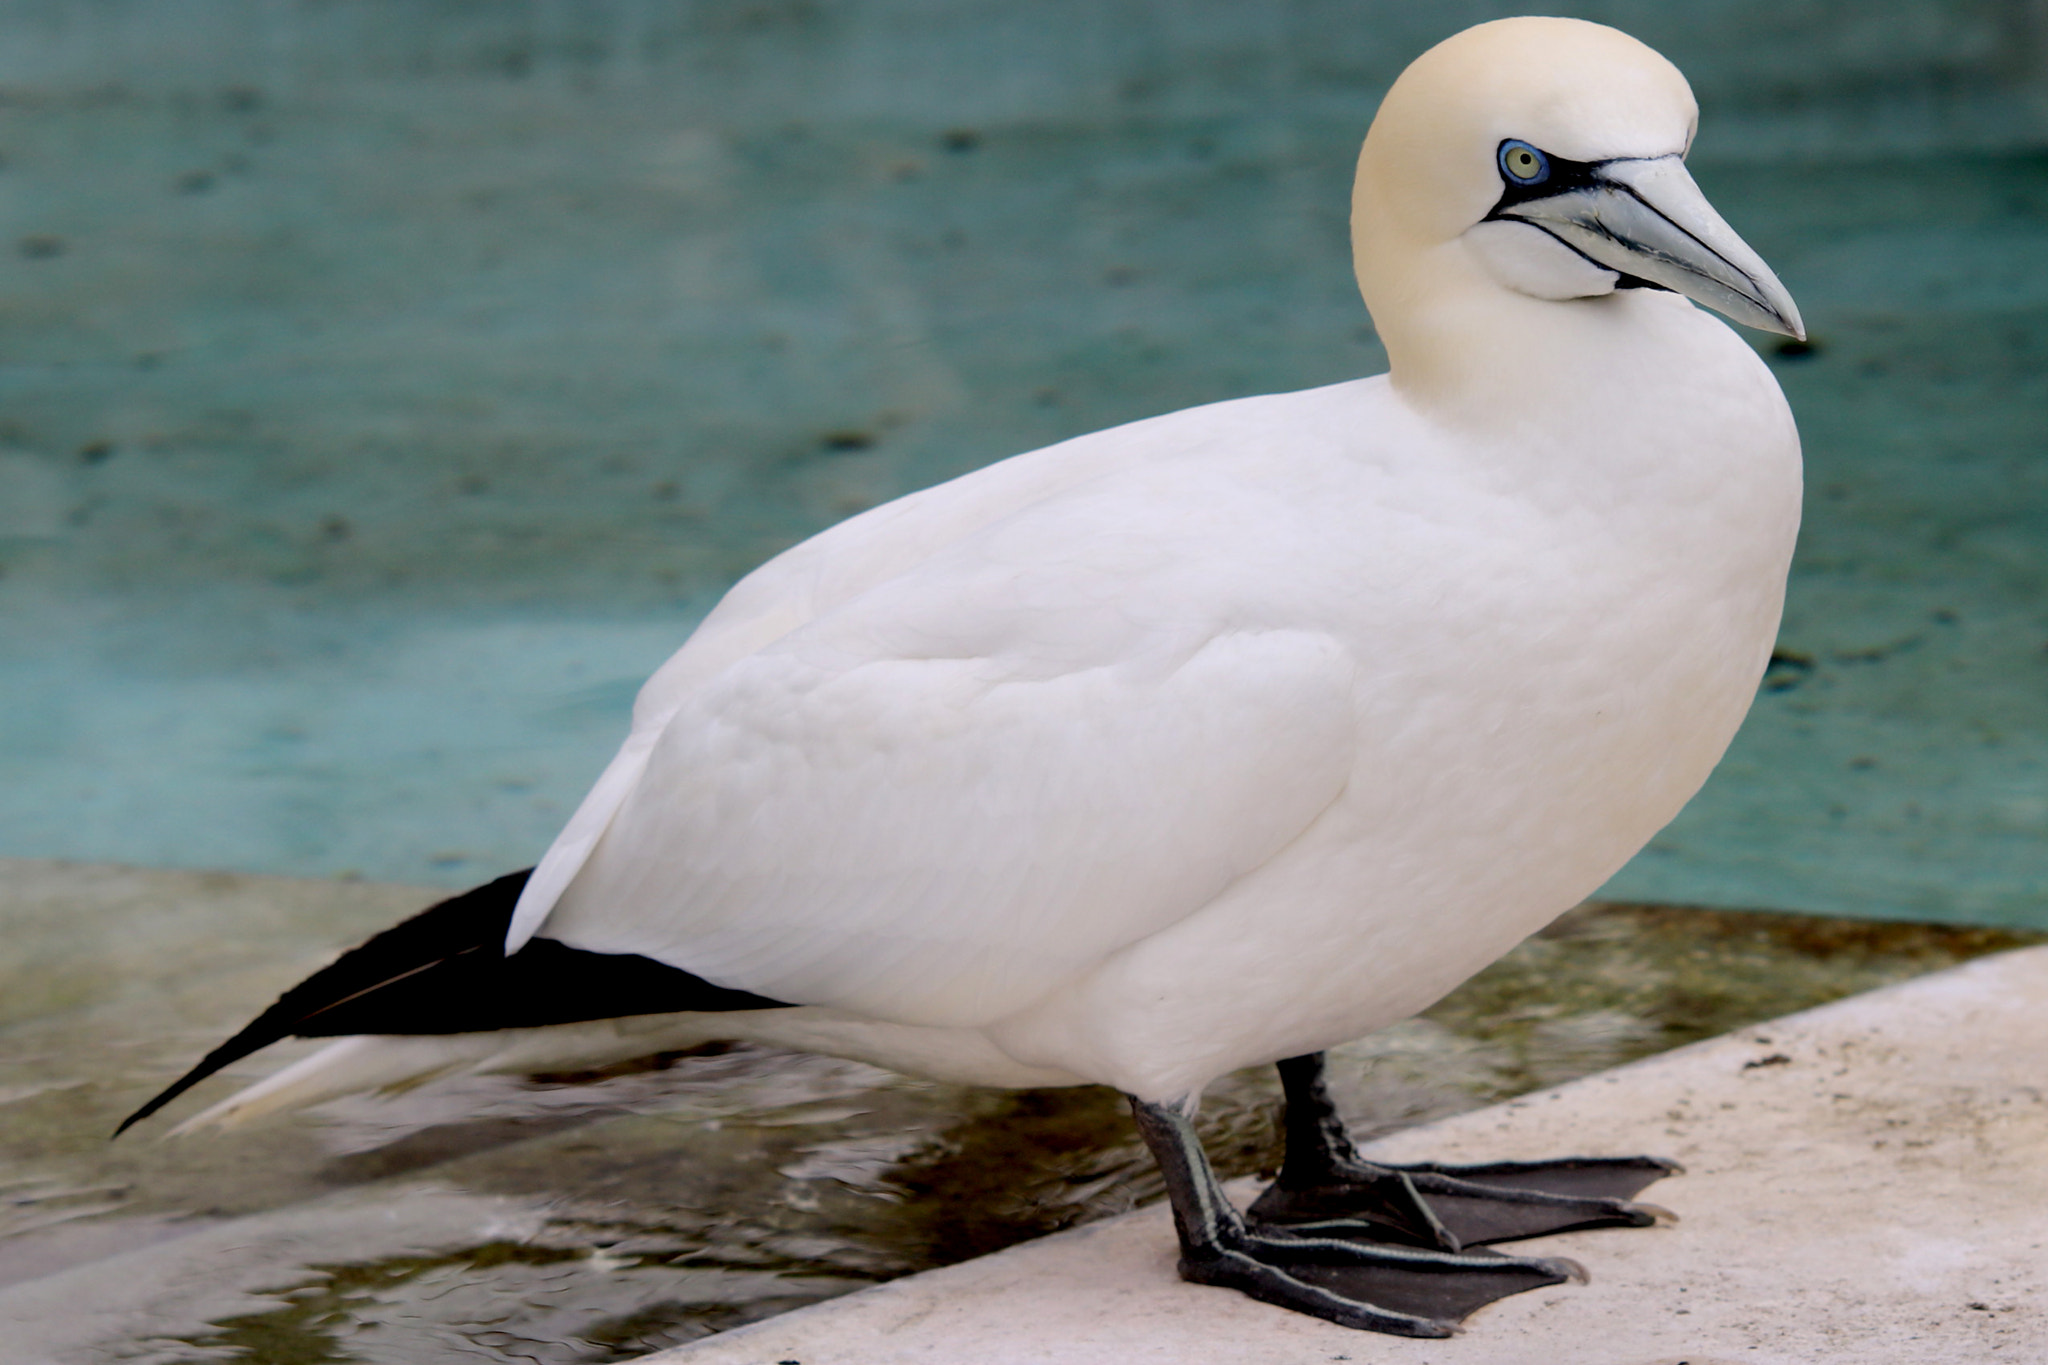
x: 442, y: 995
x: 364, y: 1062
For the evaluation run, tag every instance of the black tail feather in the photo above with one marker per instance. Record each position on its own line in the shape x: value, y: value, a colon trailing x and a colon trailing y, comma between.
x: 445, y: 971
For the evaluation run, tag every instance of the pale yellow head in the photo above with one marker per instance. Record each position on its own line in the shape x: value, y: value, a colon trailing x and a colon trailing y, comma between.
x: 1529, y: 166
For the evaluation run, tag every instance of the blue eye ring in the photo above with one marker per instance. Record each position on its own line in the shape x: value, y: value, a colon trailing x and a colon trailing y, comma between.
x: 1521, y: 164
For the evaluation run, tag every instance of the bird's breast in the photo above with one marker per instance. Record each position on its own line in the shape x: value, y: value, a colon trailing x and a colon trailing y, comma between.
x: 1549, y: 660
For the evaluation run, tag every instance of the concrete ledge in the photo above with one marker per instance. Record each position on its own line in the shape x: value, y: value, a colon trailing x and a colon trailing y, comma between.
x: 1867, y: 1182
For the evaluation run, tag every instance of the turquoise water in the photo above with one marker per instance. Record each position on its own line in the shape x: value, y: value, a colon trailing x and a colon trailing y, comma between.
x: 385, y: 391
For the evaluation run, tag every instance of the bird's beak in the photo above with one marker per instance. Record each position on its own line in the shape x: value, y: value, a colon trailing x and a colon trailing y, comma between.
x: 1646, y: 218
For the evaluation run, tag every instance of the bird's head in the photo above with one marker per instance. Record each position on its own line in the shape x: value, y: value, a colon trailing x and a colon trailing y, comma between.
x: 1541, y: 160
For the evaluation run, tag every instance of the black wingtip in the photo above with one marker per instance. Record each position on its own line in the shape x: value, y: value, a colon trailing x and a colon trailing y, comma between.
x: 459, y: 924
x: 445, y: 971
x: 227, y: 1054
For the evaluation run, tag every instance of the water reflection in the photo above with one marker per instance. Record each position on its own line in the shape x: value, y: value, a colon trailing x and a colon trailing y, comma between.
x: 595, y: 1217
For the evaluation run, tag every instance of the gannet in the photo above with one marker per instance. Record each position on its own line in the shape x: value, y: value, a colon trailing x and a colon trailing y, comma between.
x: 1212, y: 740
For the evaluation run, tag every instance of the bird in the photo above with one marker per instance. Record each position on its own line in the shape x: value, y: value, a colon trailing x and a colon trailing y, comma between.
x: 1212, y: 740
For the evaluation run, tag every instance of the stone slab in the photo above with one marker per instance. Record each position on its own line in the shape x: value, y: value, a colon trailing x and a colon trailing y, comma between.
x: 1867, y: 1182
x: 650, y: 1208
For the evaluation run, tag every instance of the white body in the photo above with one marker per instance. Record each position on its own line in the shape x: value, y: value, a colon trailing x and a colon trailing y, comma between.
x: 1239, y: 732
x: 1442, y: 690
x: 1154, y: 754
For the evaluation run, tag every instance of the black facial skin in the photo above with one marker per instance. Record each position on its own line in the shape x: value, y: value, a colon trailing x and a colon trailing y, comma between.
x: 1560, y: 177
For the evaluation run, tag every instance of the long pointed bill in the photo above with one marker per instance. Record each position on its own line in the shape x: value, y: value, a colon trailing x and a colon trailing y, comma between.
x: 1648, y: 219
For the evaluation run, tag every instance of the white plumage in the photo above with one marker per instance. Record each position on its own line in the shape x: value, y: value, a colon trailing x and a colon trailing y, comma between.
x: 1239, y: 732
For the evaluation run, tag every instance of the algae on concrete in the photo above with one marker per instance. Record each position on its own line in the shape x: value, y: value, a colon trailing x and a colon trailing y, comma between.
x: 575, y: 1218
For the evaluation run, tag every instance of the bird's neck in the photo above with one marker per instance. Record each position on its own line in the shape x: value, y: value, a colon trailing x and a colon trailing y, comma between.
x: 1516, y: 372
x: 1633, y: 400
x: 1473, y: 355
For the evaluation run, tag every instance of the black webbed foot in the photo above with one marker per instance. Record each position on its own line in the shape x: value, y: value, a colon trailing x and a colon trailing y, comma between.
x: 1364, y: 1283
x: 1506, y: 1201
x: 1406, y: 1291
x: 1469, y: 1205
x: 1326, y: 1190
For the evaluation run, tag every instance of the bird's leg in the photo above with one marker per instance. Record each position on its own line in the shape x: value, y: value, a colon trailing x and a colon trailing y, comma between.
x: 1325, y: 1189
x: 1376, y: 1286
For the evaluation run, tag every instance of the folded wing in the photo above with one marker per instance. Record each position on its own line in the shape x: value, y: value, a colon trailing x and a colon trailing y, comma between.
x: 943, y: 840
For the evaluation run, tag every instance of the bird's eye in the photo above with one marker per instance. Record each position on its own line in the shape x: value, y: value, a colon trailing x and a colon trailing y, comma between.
x: 1523, y: 164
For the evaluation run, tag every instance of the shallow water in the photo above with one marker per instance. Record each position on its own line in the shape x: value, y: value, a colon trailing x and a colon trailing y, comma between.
x: 589, y: 1218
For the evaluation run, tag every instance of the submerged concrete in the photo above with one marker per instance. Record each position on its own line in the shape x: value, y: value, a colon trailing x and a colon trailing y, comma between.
x: 563, y: 1220
x: 1867, y: 1182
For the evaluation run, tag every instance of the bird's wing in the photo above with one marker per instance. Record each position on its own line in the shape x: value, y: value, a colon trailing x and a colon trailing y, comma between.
x: 940, y: 802
x: 832, y: 568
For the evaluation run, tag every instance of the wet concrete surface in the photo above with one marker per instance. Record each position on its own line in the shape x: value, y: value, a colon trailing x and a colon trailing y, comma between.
x: 595, y: 1217
x: 1862, y: 1183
